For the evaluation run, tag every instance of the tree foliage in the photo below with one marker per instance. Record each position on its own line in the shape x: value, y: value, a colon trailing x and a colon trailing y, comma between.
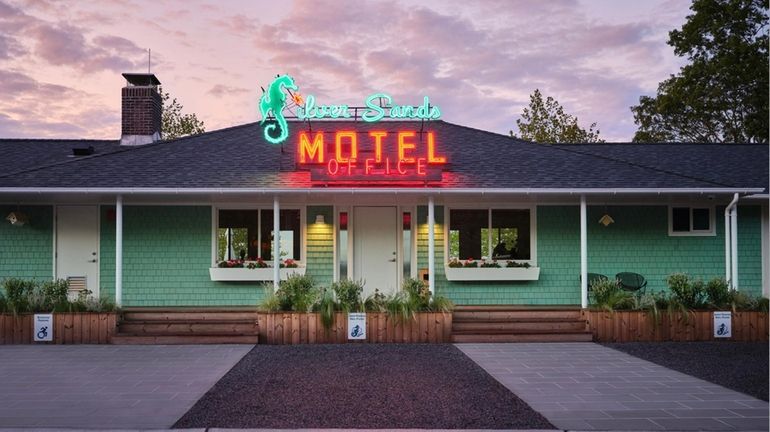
x: 546, y: 122
x: 722, y: 95
x: 174, y: 123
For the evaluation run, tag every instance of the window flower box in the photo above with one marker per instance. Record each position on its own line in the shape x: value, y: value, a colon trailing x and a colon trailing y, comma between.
x: 492, y: 273
x: 243, y: 274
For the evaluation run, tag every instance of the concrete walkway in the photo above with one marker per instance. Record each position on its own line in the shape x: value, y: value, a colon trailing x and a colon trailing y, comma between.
x: 107, y: 386
x: 585, y: 386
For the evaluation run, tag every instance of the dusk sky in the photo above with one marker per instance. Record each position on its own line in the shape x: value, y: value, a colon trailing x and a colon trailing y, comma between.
x: 60, y: 62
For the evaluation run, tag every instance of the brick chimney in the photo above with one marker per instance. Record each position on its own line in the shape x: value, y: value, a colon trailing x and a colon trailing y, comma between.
x: 142, y: 109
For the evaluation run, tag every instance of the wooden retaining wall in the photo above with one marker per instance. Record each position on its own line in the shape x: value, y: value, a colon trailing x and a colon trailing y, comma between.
x: 636, y: 326
x: 305, y: 328
x: 69, y: 328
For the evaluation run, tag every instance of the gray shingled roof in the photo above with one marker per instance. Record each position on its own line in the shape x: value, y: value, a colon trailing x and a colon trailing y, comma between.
x: 239, y: 157
x: 731, y: 164
x: 22, y: 154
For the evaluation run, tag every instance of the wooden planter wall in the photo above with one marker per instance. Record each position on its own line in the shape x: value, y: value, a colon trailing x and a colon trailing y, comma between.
x: 283, y: 328
x: 69, y: 328
x: 636, y: 326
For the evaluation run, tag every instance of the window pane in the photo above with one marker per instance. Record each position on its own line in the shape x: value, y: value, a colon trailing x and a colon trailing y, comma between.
x: 680, y: 219
x: 467, y: 233
x: 701, y: 219
x: 291, y: 238
x: 510, y: 234
x: 237, y: 234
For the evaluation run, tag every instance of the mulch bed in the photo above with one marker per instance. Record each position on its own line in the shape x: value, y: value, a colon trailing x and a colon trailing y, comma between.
x: 741, y: 366
x: 362, y: 386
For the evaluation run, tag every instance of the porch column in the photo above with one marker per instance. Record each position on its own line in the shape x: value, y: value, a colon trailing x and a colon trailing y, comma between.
x: 276, y: 243
x: 731, y: 242
x: 583, y: 253
x: 431, y: 246
x: 119, y: 250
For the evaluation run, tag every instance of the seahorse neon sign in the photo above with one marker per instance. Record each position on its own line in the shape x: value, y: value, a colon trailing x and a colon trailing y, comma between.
x: 378, y: 106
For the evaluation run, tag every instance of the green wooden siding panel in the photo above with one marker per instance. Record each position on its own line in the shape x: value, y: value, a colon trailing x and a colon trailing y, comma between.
x: 638, y: 241
x: 166, y: 257
x: 320, y: 245
x: 27, y: 251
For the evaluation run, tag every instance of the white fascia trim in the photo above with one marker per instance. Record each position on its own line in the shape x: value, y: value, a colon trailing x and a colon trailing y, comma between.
x: 376, y: 190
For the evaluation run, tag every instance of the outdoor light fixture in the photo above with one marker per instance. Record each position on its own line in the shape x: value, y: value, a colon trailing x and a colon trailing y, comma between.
x: 320, y: 219
x: 17, y: 218
x: 606, y: 220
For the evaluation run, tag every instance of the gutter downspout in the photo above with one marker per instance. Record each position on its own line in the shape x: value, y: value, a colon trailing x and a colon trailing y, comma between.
x: 731, y: 245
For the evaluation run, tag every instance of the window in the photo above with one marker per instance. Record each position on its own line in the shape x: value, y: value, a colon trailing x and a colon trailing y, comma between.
x: 500, y: 234
x: 689, y: 221
x: 248, y: 234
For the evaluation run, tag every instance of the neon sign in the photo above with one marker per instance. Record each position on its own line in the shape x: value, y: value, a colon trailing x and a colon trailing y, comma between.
x: 273, y: 103
x: 389, y: 156
x: 374, y: 111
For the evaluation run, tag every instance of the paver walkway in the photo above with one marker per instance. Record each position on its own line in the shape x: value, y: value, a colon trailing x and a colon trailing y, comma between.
x: 586, y: 386
x: 107, y: 386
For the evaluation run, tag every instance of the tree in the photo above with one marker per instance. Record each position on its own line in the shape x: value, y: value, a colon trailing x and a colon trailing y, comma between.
x: 722, y: 95
x: 546, y: 122
x: 174, y: 124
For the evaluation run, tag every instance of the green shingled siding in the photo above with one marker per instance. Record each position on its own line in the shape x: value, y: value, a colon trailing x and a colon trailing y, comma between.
x: 320, y: 245
x: 27, y: 251
x: 166, y: 257
x: 638, y: 241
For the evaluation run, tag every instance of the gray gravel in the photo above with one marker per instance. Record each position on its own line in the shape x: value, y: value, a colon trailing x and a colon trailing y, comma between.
x: 363, y: 386
x: 740, y: 366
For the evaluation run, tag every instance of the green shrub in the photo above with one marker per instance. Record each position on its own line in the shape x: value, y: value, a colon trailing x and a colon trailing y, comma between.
x: 718, y: 292
x: 270, y: 301
x: 326, y: 307
x: 376, y: 302
x: 417, y: 293
x: 297, y: 293
x: 17, y: 294
x: 688, y: 293
x: 607, y: 294
x: 54, y: 293
x: 400, y: 306
x: 348, y: 293
x: 439, y: 303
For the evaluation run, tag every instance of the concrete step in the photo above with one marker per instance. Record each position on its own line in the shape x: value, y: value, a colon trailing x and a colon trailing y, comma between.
x: 517, y: 326
x: 202, y: 327
x: 131, y: 339
x: 521, y: 337
x: 471, y: 315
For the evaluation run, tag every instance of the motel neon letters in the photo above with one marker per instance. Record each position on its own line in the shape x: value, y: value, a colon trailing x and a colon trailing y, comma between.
x: 370, y: 156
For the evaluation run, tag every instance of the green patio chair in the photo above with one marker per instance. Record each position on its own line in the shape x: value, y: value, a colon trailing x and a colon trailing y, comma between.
x: 631, y: 281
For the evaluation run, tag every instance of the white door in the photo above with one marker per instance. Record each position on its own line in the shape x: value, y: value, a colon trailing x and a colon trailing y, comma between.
x: 77, y: 253
x: 375, y: 246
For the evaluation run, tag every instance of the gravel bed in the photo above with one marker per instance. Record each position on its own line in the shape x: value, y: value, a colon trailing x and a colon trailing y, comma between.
x: 741, y: 366
x: 363, y: 386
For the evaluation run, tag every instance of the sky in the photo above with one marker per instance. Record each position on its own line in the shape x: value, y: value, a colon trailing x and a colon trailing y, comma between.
x: 61, y: 62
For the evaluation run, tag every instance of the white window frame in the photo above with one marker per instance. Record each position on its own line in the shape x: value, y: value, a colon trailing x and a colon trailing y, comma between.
x: 692, y: 233
x: 302, y: 226
x: 532, y: 227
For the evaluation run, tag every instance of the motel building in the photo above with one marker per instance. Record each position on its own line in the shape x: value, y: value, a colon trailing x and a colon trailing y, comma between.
x: 379, y: 193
